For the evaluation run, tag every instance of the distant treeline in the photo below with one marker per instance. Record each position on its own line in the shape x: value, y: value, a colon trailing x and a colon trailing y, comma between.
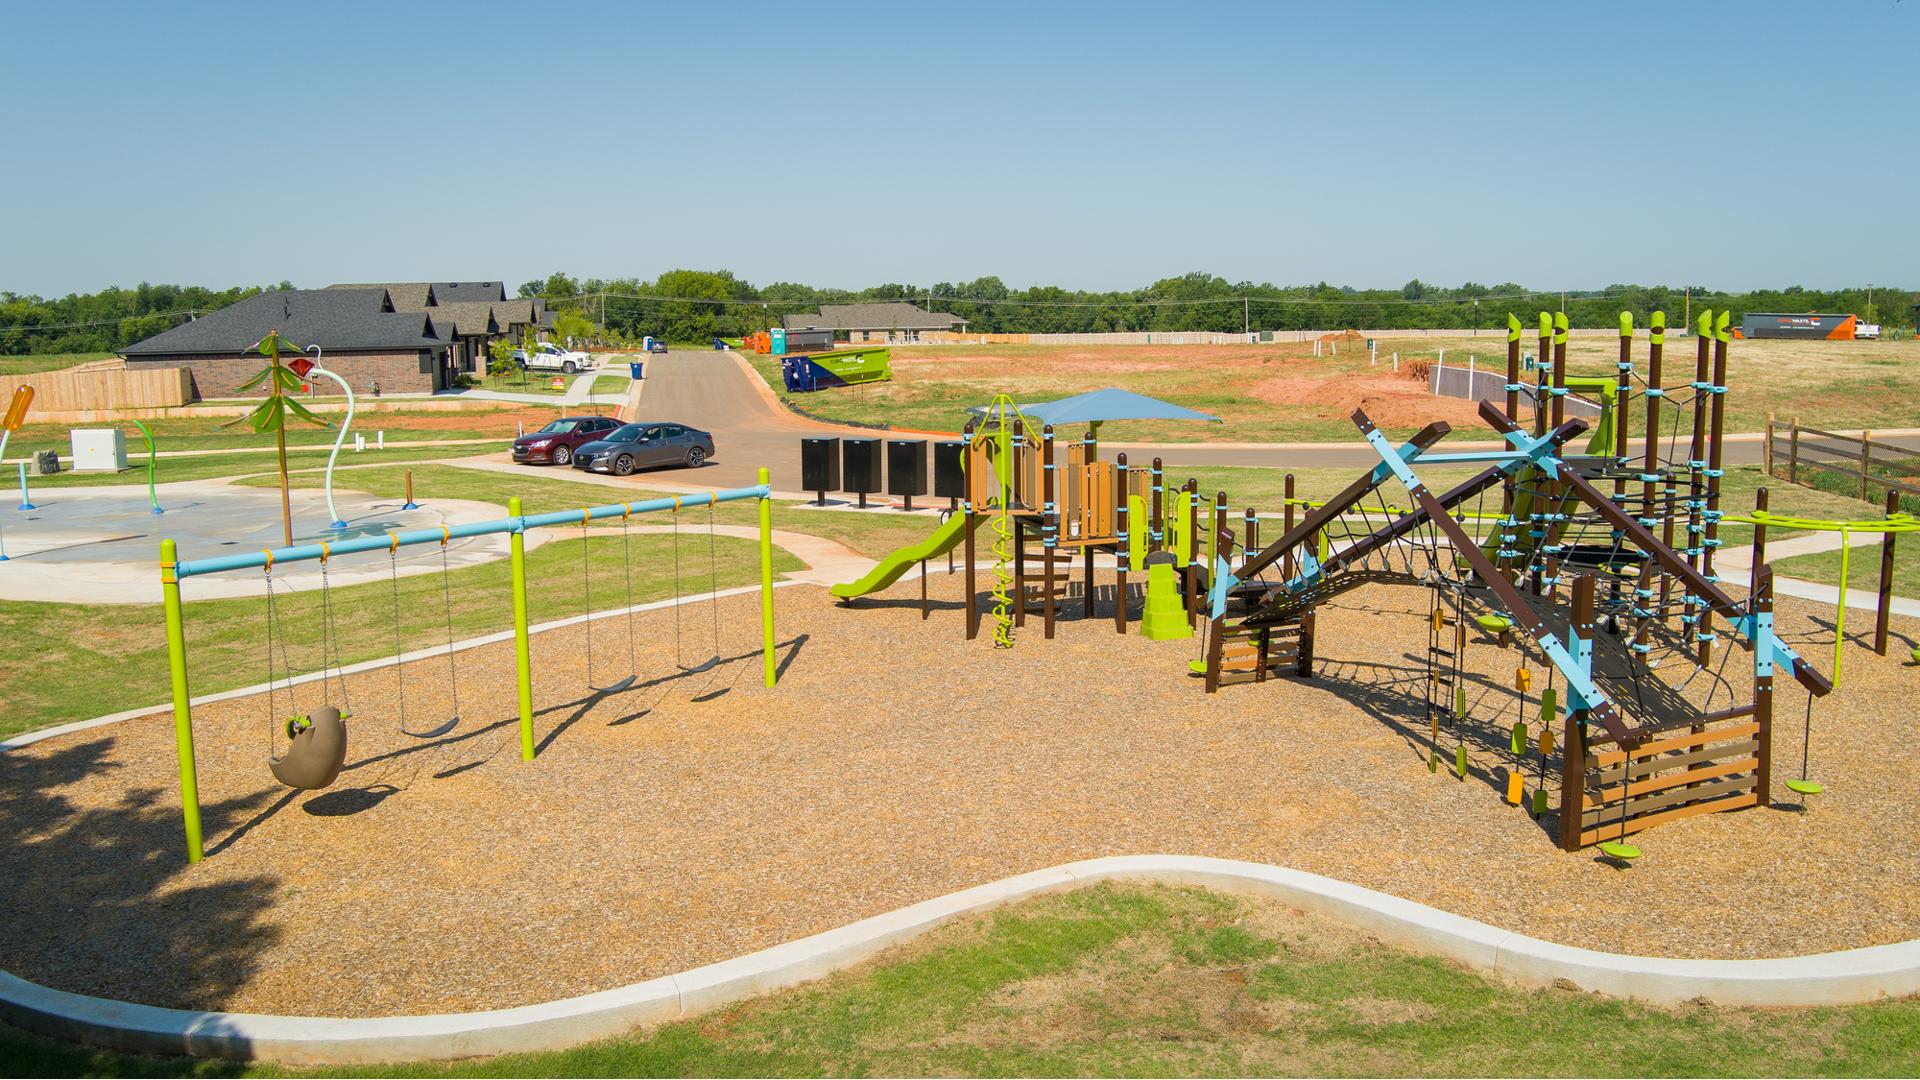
x: 693, y: 305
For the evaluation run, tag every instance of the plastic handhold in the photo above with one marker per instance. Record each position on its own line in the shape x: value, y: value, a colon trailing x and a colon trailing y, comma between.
x: 1460, y: 761
x: 1519, y: 742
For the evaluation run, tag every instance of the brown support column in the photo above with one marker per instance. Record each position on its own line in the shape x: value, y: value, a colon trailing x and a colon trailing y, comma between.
x: 1543, y: 374
x: 1763, y: 692
x: 1049, y: 524
x: 1573, y: 764
x: 1250, y: 539
x: 1793, y: 451
x: 1304, y: 665
x: 1715, y: 430
x: 973, y: 591
x: 1019, y: 572
x: 1886, y: 577
x: 1286, y: 562
x: 1759, y: 533
x: 1650, y: 509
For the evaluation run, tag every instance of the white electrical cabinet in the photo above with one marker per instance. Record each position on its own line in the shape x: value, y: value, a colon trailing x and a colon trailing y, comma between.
x: 99, y: 449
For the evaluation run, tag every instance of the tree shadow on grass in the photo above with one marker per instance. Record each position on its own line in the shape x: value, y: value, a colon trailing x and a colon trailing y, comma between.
x: 99, y: 896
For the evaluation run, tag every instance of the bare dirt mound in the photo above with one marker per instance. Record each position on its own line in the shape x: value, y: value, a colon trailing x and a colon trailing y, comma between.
x: 1392, y: 401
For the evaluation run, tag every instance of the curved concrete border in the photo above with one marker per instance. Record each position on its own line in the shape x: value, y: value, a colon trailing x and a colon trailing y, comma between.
x: 1855, y: 975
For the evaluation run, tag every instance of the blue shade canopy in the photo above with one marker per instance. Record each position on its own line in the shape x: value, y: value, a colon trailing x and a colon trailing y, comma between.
x: 1098, y: 406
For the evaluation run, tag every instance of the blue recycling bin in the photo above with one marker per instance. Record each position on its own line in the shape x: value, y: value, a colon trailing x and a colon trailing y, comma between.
x: 633, y: 368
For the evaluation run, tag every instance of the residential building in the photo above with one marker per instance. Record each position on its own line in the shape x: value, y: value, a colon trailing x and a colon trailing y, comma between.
x: 363, y: 338
x: 889, y: 321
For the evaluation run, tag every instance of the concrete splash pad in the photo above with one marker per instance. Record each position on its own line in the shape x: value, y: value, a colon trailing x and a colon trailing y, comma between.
x: 102, y: 545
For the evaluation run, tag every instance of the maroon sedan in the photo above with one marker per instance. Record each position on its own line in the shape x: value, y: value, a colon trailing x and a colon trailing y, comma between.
x: 555, y: 443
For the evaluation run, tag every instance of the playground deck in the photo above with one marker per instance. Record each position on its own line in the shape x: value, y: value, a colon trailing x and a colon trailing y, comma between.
x: 703, y: 817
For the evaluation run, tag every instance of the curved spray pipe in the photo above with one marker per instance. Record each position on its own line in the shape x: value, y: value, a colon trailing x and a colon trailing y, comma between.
x: 319, y: 368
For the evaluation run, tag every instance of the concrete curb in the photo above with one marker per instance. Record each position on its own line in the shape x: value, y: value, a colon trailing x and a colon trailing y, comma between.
x: 1855, y: 975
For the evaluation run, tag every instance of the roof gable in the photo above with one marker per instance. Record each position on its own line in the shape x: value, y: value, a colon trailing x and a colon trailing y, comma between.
x: 339, y: 318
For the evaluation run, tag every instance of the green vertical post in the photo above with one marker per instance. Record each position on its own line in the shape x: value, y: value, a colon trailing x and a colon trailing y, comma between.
x: 182, y: 701
x: 522, y: 661
x: 766, y: 580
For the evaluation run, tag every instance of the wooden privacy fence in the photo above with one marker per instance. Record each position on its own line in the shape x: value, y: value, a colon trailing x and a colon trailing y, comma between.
x: 1800, y: 453
x: 98, y: 391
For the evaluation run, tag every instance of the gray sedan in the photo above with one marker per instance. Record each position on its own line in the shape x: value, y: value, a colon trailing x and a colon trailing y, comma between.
x: 645, y: 446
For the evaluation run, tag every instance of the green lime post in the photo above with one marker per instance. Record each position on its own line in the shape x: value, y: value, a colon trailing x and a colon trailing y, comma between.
x: 1840, y: 611
x: 522, y: 661
x: 766, y: 580
x: 182, y: 701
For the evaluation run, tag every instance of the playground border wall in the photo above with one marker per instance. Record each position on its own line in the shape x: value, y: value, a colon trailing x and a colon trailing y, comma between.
x: 1845, y: 977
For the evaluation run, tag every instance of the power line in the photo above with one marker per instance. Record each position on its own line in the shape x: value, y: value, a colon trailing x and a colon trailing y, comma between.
x: 25, y: 328
x: 1236, y: 298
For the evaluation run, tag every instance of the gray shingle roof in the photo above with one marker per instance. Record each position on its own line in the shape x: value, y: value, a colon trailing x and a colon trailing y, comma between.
x: 329, y: 318
x: 406, y: 295
x: 888, y: 315
x: 460, y: 292
x: 473, y: 318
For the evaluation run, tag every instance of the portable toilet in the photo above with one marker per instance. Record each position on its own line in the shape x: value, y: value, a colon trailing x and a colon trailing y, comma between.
x: 777, y: 341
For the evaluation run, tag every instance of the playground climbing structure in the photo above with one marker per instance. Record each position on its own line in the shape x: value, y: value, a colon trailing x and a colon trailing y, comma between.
x: 1597, y: 567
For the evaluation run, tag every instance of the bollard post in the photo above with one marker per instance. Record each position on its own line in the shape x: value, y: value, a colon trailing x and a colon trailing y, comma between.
x: 410, y: 505
x: 25, y: 502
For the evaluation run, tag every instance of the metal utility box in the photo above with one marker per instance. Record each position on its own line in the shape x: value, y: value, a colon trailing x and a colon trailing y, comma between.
x: 907, y: 469
x: 860, y: 468
x: 820, y: 466
x: 99, y: 449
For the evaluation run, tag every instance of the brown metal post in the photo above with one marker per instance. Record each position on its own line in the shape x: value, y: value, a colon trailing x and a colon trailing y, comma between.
x: 1716, y: 430
x: 1759, y: 533
x: 1250, y: 539
x: 1543, y: 374
x: 1123, y: 550
x: 1793, y: 451
x: 1513, y: 369
x: 1158, y: 509
x: 1049, y: 522
x: 1766, y: 449
x: 1763, y: 692
x: 1886, y: 577
x: 973, y: 592
x: 1190, y: 574
x: 1650, y: 508
x: 1303, y: 666
x: 1286, y: 563
x: 1573, y: 743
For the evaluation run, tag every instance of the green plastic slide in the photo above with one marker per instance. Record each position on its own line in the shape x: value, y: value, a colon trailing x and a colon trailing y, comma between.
x: 944, y: 539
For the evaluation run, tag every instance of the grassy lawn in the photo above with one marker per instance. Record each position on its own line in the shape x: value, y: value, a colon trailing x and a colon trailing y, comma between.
x: 478, y: 421
x: 527, y: 382
x: 28, y: 364
x: 1159, y: 981
x: 213, y: 466
x: 1281, y: 392
x: 1863, y: 570
x: 88, y: 661
x: 610, y: 384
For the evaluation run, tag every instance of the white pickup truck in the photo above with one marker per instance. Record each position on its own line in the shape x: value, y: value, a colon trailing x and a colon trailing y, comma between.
x: 547, y: 356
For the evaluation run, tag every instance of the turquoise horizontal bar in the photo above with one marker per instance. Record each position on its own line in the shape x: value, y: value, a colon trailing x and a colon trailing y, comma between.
x: 308, y: 552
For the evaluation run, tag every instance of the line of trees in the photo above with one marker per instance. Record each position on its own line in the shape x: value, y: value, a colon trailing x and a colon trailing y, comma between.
x: 106, y: 320
x: 694, y: 305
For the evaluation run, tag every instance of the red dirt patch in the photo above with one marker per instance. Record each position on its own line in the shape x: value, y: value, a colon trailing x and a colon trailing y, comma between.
x: 1391, y: 401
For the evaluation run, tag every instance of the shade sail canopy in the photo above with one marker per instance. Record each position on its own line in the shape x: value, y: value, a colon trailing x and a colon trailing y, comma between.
x: 1099, y: 406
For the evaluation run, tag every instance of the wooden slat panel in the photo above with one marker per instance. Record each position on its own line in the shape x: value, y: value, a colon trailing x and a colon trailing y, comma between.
x: 1609, y: 831
x: 1674, y: 779
x: 1673, y: 742
x: 1640, y: 807
x: 1745, y: 747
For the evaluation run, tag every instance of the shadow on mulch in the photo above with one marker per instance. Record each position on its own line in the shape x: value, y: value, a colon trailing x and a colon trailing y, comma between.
x: 139, y: 903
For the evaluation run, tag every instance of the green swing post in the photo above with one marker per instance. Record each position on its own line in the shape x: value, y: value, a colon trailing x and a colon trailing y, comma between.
x: 766, y: 581
x: 522, y: 659
x: 182, y: 701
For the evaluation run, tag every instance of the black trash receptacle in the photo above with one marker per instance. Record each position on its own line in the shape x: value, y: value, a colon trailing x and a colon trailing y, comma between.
x: 860, y: 467
x: 906, y: 469
x: 820, y: 467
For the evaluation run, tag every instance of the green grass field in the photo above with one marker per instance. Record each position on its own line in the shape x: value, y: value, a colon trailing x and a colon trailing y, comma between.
x: 1282, y: 393
x: 527, y: 382
x: 304, y: 459
x: 610, y: 384
x: 1159, y: 981
x: 28, y: 364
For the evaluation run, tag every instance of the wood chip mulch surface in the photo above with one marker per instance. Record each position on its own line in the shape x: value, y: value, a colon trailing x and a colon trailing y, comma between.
x: 699, y: 816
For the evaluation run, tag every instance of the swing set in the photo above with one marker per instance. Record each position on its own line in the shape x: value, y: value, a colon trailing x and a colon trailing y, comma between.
x: 315, y: 740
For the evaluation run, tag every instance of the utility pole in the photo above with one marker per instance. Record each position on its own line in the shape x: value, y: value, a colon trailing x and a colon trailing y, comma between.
x: 1246, y: 320
x: 1687, y: 319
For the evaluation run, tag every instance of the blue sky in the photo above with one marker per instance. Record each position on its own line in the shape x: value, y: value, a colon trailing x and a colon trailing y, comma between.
x: 1097, y: 146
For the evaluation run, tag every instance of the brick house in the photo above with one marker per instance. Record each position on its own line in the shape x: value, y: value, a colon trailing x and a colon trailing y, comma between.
x: 480, y: 309
x: 364, y: 339
x: 891, y: 321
